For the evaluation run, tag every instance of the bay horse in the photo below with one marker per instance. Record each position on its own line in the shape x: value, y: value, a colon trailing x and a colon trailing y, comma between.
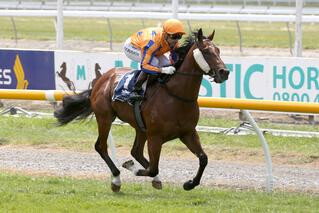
x: 170, y: 109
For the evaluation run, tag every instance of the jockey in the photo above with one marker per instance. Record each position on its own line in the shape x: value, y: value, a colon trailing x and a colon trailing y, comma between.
x: 148, y: 47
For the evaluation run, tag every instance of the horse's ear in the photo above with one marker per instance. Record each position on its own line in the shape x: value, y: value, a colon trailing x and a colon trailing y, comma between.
x: 199, y: 36
x: 211, y: 36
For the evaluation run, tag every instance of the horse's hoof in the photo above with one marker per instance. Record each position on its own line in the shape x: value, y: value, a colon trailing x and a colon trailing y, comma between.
x: 115, y: 188
x: 128, y: 164
x: 157, y: 184
x: 189, y: 185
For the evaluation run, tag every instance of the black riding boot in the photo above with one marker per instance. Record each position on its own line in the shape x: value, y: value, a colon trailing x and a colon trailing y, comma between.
x: 136, y: 93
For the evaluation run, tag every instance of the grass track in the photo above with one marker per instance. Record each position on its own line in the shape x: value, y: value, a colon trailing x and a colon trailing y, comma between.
x: 266, y: 34
x: 47, y: 194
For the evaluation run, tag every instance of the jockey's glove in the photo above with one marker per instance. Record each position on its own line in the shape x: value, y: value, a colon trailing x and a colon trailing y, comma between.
x: 168, y: 70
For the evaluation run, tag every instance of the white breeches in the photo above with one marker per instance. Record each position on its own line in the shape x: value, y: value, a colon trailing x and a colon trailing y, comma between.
x: 134, y: 54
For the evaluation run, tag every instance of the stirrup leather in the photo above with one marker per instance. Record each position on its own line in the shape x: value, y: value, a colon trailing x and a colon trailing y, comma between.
x: 138, y: 116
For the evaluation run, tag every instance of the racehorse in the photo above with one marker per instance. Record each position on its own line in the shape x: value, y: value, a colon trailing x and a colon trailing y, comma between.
x: 170, y: 109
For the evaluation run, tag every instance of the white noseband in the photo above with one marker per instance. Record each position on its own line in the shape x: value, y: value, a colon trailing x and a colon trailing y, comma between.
x: 200, y: 60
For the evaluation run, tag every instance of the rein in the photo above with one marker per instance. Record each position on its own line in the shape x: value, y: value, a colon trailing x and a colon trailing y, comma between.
x: 189, y: 74
x: 201, y: 61
x: 177, y: 97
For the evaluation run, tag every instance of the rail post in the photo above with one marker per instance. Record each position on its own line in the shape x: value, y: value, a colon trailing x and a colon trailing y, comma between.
x: 269, y: 177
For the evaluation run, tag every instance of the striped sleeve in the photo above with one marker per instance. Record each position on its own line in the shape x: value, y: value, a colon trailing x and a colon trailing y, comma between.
x: 148, y: 53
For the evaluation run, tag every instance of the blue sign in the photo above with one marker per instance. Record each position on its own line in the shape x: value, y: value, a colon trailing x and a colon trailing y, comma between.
x: 25, y: 69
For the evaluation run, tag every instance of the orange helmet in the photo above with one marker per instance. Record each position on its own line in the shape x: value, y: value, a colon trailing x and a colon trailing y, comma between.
x: 173, y: 26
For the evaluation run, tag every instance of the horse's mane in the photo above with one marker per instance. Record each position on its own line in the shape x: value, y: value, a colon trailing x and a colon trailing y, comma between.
x: 182, y: 52
x: 183, y: 49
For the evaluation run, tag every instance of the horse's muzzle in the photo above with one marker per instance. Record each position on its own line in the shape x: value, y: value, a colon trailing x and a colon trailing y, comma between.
x: 221, y: 75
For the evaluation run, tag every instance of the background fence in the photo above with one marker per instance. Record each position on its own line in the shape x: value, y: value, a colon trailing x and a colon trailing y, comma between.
x: 219, y: 10
x: 187, y: 5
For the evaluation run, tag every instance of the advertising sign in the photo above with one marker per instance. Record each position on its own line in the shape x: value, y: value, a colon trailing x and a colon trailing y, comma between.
x: 78, y: 70
x: 23, y: 69
x: 264, y: 78
x: 282, y: 79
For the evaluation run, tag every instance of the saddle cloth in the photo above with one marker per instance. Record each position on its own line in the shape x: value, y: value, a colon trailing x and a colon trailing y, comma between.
x: 126, y: 85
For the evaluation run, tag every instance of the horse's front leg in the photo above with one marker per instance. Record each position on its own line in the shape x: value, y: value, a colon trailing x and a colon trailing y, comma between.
x: 191, y: 140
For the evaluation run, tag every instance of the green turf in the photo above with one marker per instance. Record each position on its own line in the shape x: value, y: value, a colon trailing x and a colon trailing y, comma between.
x: 47, y: 194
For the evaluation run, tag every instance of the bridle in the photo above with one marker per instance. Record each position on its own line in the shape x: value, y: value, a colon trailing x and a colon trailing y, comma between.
x: 201, y: 60
x: 202, y: 63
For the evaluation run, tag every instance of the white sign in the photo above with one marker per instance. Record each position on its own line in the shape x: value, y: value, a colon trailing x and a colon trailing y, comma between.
x: 77, y: 70
x: 265, y: 78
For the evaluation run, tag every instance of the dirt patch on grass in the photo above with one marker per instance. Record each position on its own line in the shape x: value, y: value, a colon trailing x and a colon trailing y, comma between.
x: 174, y: 169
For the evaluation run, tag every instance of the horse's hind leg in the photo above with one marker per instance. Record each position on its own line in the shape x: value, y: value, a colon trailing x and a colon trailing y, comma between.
x: 191, y: 140
x: 104, y: 126
x: 138, y: 153
x: 154, y: 151
x: 138, y: 149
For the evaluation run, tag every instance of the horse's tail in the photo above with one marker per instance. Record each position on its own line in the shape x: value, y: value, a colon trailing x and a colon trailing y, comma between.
x: 76, y: 106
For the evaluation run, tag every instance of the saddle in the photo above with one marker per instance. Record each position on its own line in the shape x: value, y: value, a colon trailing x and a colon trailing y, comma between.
x: 125, y: 87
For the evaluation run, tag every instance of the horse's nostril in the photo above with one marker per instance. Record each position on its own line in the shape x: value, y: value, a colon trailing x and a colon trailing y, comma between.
x: 222, y: 70
x: 226, y: 72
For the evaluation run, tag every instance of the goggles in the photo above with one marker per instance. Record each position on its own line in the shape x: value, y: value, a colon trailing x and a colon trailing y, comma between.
x: 175, y: 36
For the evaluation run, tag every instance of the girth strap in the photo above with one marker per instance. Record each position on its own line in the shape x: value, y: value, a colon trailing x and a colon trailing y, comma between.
x: 138, y: 116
